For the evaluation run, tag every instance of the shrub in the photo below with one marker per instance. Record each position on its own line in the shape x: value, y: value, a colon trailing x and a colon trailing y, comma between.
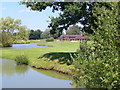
x: 6, y: 39
x: 97, y: 63
x: 50, y: 40
x: 0, y: 45
x: 22, y: 59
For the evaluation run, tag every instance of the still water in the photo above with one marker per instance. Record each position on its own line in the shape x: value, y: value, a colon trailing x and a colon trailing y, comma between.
x: 28, y: 45
x: 20, y: 76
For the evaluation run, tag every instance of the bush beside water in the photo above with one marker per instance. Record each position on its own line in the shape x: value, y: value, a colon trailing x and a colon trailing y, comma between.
x: 22, y: 60
x: 0, y: 44
x: 50, y: 40
x: 6, y: 39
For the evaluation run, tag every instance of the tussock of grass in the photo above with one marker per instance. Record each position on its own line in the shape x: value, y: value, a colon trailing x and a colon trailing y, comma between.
x: 22, y: 60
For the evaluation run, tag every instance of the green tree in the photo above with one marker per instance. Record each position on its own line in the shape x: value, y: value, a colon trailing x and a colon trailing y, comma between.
x: 0, y: 37
x: 73, y: 30
x: 23, y: 33
x: 35, y: 34
x: 31, y: 36
x: 38, y: 34
x: 46, y: 34
x: 8, y: 27
x: 72, y: 13
x: 97, y: 63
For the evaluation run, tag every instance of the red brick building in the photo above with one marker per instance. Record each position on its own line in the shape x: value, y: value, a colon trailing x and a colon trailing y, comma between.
x: 72, y: 37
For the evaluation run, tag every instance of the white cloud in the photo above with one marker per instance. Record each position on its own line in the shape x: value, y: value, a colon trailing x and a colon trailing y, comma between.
x: 26, y: 10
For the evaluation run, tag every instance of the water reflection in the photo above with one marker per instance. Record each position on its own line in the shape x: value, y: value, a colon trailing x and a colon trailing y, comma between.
x: 20, y: 76
x: 9, y: 68
x: 21, y: 69
x: 0, y: 67
x: 28, y: 45
x: 54, y: 74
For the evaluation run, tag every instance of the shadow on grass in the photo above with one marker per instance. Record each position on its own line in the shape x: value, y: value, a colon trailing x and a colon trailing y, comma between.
x: 62, y: 57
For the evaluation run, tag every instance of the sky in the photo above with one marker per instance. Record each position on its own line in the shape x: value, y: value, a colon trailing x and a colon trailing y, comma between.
x: 32, y: 19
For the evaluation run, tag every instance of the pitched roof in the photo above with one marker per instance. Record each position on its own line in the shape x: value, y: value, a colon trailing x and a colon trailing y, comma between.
x: 75, y: 36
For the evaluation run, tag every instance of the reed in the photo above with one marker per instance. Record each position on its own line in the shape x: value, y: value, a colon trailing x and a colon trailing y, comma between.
x: 22, y: 60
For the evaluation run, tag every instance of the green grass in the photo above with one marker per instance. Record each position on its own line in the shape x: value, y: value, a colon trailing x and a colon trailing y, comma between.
x: 37, y: 41
x: 34, y: 53
x: 59, y: 50
x: 44, y: 63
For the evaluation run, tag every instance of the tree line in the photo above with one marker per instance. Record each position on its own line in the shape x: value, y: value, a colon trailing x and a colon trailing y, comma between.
x: 11, y: 31
x: 38, y: 34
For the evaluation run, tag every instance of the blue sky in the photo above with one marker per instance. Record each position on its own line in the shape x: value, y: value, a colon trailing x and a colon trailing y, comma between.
x: 32, y: 19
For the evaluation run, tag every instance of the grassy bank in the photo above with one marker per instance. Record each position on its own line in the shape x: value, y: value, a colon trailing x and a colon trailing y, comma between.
x: 51, y: 65
x: 46, y: 57
x: 37, y: 41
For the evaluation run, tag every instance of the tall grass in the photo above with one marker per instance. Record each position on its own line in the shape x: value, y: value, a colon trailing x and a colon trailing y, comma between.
x: 22, y: 60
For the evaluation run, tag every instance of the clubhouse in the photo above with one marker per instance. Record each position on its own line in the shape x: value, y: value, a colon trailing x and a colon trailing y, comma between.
x: 72, y: 37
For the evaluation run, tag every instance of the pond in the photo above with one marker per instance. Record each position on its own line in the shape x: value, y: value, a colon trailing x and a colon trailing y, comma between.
x: 28, y: 45
x: 21, y: 76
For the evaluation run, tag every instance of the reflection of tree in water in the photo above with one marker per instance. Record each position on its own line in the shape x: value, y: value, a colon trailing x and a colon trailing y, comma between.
x: 54, y: 74
x: 8, y: 67
x: 21, y: 69
x: 0, y: 67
